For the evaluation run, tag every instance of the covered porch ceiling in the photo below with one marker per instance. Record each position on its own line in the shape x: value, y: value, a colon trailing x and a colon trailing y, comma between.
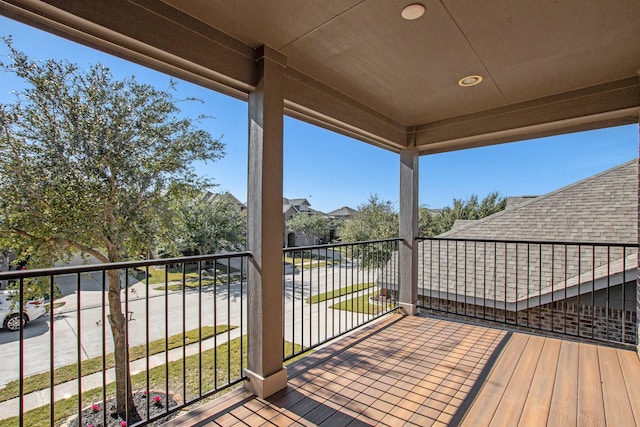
x: 359, y: 68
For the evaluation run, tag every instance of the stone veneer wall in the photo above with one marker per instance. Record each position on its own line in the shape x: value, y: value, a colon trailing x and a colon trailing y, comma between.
x: 571, y: 319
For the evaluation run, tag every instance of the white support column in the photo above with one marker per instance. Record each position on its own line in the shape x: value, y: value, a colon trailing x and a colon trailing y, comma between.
x: 265, y: 372
x: 409, y: 230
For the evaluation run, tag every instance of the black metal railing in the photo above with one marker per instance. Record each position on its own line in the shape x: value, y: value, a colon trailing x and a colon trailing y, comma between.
x: 580, y: 289
x: 184, y: 320
x: 330, y: 290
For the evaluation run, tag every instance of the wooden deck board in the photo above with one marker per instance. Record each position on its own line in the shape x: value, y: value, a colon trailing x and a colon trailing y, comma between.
x: 536, y: 407
x: 630, y: 365
x: 563, y: 408
x: 512, y: 403
x: 483, y: 408
x: 590, y: 406
x: 617, y: 408
x: 425, y: 371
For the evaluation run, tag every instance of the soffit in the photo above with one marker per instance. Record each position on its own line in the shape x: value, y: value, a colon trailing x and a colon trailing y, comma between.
x: 408, y: 70
x: 357, y: 67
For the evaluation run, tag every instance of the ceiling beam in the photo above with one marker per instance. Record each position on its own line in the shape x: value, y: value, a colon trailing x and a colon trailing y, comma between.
x: 612, y: 104
x: 140, y: 35
x: 311, y: 101
x: 158, y: 36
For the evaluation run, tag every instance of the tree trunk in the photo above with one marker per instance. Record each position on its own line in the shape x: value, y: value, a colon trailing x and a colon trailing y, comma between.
x: 118, y: 323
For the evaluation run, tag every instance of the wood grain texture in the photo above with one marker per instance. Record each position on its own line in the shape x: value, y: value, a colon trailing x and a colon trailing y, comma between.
x: 630, y: 365
x: 484, y: 407
x: 617, y: 407
x: 536, y: 407
x: 563, y: 408
x: 590, y: 406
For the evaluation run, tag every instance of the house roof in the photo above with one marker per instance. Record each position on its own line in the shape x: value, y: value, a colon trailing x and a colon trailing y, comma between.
x: 293, y: 204
x: 600, y: 208
x: 489, y: 261
x: 342, y: 212
x: 209, y: 196
x: 459, y: 223
x: 298, y: 202
x: 359, y: 68
x: 517, y: 200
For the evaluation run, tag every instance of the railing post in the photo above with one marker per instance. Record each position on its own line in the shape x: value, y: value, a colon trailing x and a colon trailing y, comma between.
x: 265, y: 373
x: 408, y: 251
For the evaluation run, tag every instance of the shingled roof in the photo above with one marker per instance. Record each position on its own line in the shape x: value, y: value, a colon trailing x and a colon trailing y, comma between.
x: 511, y: 259
x: 343, y: 212
x: 601, y: 208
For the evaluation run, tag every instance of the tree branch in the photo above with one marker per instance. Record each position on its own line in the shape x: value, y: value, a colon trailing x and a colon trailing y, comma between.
x: 66, y: 242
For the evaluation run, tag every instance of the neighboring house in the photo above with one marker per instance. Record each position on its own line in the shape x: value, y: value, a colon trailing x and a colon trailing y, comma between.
x: 208, y: 196
x: 342, y: 213
x: 435, y: 211
x: 532, y: 280
x: 337, y: 217
x: 291, y: 208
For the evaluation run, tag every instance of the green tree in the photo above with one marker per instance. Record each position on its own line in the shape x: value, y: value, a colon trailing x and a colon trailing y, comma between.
x: 433, y: 224
x: 209, y: 227
x: 375, y: 220
x: 311, y: 225
x: 89, y: 164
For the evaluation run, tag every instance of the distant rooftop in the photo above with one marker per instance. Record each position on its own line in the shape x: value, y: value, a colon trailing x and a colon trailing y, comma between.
x: 342, y: 212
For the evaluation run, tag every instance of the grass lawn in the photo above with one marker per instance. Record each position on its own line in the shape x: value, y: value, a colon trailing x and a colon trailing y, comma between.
x: 360, y: 304
x: 308, y: 259
x: 307, y: 264
x: 70, y: 372
x: 157, y: 275
x: 204, y: 372
x: 339, y: 292
x: 193, y: 283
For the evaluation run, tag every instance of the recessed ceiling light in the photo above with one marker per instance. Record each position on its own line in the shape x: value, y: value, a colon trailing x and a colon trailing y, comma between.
x: 413, y: 11
x: 469, y: 81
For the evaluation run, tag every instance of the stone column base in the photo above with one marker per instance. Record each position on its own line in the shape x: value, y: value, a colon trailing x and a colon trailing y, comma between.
x: 408, y: 309
x: 265, y: 387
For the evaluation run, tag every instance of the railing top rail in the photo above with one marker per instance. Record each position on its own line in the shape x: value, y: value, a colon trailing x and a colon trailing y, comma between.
x: 334, y: 245
x: 535, y: 242
x: 55, y: 271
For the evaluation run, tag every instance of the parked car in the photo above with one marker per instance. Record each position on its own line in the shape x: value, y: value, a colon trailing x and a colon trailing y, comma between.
x: 9, y: 313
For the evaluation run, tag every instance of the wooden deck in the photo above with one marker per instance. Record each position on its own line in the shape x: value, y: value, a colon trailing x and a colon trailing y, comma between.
x: 424, y: 371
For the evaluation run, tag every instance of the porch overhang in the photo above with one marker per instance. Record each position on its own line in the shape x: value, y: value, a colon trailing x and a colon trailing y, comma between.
x: 358, y: 68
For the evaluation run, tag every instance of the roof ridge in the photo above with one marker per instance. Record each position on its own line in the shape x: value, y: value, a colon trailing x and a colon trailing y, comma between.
x: 539, y: 198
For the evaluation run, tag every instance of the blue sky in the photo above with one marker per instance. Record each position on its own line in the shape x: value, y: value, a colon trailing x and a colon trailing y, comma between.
x: 333, y: 171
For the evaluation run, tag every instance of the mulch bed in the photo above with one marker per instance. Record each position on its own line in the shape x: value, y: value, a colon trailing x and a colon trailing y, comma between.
x: 93, y: 415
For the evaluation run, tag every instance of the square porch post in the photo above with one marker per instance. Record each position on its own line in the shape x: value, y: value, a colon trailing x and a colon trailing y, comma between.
x: 408, y: 252
x: 265, y: 372
x: 638, y: 260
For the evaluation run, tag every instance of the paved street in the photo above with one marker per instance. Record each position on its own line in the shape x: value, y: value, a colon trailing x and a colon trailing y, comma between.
x: 225, y: 305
